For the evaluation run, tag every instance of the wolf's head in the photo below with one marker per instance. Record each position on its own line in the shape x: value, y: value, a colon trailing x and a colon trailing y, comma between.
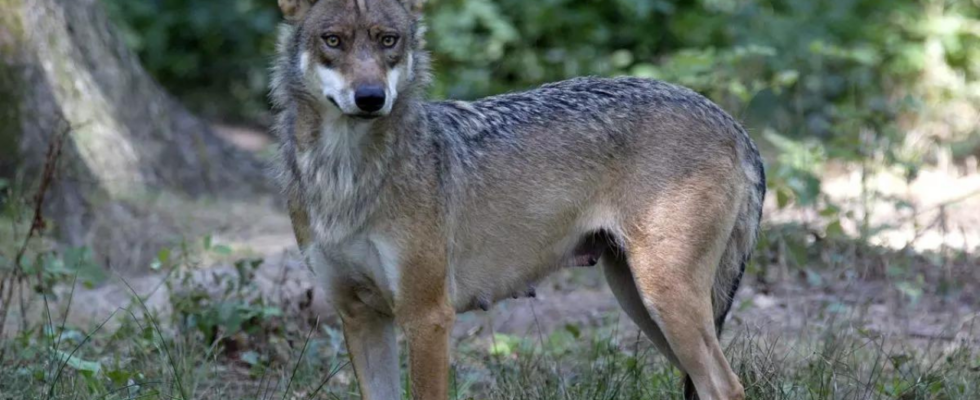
x: 354, y: 55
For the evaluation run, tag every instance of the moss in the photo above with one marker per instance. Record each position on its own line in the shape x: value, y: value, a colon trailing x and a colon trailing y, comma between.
x: 11, y: 87
x: 10, y: 118
x: 10, y: 23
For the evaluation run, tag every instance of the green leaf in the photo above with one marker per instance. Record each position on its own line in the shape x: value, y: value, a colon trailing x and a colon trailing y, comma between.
x: 574, y: 330
x: 163, y: 255
x: 561, y: 341
x: 834, y: 229
x: 78, y: 364
x: 787, y: 78
x: 222, y: 249
x: 119, y: 377
x: 250, y: 357
x: 838, y: 308
x: 899, y: 360
x: 910, y: 289
x: 782, y: 198
x: 646, y: 71
x: 269, y: 312
x: 829, y: 211
x: 501, y: 349
x: 80, y: 261
x: 503, y: 345
x: 813, y: 279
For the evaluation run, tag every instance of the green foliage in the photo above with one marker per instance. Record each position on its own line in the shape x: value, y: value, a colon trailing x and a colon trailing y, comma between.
x: 203, y: 348
x: 212, y: 54
x: 27, y: 254
x: 65, y: 266
x: 235, y: 310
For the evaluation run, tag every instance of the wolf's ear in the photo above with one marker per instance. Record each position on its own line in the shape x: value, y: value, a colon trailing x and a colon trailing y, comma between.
x: 414, y: 6
x: 295, y: 10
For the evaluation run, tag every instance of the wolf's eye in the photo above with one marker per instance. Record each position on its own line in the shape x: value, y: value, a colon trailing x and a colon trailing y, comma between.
x: 332, y: 40
x: 389, y: 40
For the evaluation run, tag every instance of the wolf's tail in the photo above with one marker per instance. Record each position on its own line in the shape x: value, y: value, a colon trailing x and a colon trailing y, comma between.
x: 744, y: 235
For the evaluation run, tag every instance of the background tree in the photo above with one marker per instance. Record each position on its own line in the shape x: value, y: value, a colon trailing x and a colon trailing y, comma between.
x: 66, y: 75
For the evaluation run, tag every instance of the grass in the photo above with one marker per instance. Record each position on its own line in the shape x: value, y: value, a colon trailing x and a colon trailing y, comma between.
x: 833, y: 366
x: 217, y: 339
x: 144, y: 358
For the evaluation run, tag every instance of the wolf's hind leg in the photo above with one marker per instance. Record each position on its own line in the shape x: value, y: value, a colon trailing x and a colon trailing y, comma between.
x: 683, y: 313
x: 673, y: 251
x: 621, y: 282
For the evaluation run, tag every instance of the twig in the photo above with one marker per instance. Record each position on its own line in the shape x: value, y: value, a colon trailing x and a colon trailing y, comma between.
x: 37, y: 225
x: 941, y: 207
x: 942, y: 337
x: 47, y: 177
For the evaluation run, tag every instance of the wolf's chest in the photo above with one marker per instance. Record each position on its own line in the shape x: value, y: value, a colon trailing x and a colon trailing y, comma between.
x: 369, y: 263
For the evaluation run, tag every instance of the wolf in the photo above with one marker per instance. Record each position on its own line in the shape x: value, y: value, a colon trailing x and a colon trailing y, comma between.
x: 412, y: 211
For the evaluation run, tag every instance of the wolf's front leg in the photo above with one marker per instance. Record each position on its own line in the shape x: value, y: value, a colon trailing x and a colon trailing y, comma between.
x: 425, y: 313
x: 373, y: 349
x: 427, y: 331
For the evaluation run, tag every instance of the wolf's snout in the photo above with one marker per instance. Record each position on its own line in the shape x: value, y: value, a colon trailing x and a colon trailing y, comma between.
x: 370, y: 98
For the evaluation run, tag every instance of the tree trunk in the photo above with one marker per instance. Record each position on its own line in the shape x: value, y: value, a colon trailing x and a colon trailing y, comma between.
x: 64, y: 69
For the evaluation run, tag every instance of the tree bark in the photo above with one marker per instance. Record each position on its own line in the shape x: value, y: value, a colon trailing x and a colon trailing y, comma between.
x: 64, y: 69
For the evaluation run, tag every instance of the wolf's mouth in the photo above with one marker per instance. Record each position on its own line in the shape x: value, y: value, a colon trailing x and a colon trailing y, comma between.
x: 360, y: 116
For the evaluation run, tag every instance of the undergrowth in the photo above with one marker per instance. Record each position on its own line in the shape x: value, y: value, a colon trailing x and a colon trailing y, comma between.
x: 835, y: 365
x: 143, y: 358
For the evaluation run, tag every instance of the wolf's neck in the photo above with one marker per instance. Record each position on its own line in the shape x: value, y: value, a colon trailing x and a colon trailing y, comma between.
x: 345, y: 171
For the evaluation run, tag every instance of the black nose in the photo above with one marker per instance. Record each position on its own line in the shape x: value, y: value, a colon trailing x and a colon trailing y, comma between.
x: 369, y: 98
